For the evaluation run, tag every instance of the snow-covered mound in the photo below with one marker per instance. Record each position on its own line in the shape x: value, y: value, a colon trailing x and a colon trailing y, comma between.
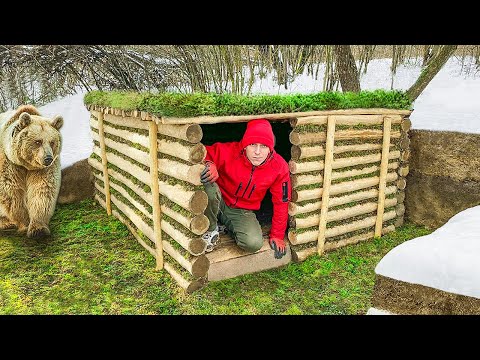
x: 447, y: 259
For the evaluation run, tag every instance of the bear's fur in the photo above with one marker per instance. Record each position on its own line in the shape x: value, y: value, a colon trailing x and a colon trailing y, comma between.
x: 30, y: 171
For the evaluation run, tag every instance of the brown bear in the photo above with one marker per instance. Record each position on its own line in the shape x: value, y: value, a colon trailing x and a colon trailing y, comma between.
x: 30, y: 171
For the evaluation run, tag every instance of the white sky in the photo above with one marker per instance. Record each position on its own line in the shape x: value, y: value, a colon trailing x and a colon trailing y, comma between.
x: 446, y: 259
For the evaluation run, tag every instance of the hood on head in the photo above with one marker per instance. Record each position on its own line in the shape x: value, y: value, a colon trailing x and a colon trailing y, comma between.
x: 258, y: 131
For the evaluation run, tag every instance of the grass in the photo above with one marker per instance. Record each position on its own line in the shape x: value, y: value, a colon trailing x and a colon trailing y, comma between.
x: 212, y: 104
x: 93, y: 265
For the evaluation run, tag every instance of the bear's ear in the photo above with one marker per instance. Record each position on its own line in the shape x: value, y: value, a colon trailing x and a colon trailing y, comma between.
x: 57, y: 122
x: 25, y: 120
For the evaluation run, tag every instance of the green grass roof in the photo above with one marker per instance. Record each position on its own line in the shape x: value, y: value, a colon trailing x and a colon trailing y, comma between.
x: 211, y: 104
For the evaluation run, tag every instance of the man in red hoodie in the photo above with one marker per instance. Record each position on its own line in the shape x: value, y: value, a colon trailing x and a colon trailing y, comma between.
x: 236, y: 177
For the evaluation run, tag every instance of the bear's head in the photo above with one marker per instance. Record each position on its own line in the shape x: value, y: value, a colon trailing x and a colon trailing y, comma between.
x: 35, y: 141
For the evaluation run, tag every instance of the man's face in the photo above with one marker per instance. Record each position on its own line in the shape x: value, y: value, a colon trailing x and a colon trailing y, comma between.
x: 257, y: 153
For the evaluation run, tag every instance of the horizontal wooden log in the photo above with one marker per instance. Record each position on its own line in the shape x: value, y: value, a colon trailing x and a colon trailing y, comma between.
x: 308, y: 179
x: 192, y: 133
x: 195, y: 246
x: 402, y: 183
x: 128, y: 182
x: 340, y: 188
x: 194, y: 153
x: 297, y: 138
x: 309, y: 236
x: 188, y: 173
x: 332, y: 245
x: 336, y: 215
x: 139, y: 156
x: 401, y: 197
x: 303, y: 152
x: 197, y: 224
x: 344, y: 120
x: 301, y: 255
x: 133, y: 169
x: 188, y: 286
x: 294, y: 209
x: 129, y: 136
x: 302, y: 167
x: 126, y: 195
x: 197, y: 266
x: 132, y: 122
x: 279, y: 116
x: 194, y: 201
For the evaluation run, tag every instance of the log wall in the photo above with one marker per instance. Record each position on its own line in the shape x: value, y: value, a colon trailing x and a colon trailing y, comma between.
x: 156, y: 194
x: 348, y: 178
x: 348, y: 170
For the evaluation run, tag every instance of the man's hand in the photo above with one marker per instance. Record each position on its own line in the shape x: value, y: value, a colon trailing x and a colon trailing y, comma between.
x: 209, y: 174
x: 278, y: 245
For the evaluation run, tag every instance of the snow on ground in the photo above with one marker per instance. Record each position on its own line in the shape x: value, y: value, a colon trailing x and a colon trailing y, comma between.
x: 77, y: 141
x: 449, y: 103
x: 446, y: 259
x: 375, y: 311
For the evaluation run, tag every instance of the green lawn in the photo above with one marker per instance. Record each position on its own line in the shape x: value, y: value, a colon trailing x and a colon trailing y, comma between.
x: 92, y: 265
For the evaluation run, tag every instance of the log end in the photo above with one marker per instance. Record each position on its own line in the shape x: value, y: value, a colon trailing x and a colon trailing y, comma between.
x: 294, y: 195
x: 292, y: 237
x: 196, y: 285
x: 293, y: 122
x: 194, y: 173
x: 292, y: 208
x: 295, y: 152
x: 294, y: 138
x: 402, y: 183
x: 197, y: 246
x: 198, y: 153
x: 199, y: 224
x: 200, y: 266
x: 292, y: 166
x: 194, y: 133
x: 198, y: 202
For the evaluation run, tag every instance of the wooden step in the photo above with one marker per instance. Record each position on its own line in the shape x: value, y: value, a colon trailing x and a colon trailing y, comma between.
x: 227, y: 260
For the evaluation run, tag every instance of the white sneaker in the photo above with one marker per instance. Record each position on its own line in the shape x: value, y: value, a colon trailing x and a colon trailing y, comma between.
x: 211, y: 238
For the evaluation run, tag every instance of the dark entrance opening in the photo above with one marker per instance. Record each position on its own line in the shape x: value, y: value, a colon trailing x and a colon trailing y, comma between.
x: 225, y: 132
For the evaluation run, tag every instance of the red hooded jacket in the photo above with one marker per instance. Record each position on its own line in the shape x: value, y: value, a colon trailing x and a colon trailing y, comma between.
x: 244, y: 185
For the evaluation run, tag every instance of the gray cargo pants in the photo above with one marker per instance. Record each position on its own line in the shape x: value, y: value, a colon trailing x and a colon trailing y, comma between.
x: 242, y: 224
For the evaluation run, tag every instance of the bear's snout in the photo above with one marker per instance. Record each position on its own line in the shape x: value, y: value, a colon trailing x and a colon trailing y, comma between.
x: 47, y: 160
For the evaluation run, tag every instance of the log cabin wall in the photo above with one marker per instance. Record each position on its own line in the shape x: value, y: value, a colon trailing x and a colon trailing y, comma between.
x: 348, y: 170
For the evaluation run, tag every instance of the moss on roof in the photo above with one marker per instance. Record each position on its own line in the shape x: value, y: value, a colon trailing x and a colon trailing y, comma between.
x: 211, y: 104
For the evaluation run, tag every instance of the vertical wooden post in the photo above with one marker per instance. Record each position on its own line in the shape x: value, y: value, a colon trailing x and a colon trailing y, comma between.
x: 157, y: 214
x: 387, y: 125
x: 327, y: 179
x: 106, y: 180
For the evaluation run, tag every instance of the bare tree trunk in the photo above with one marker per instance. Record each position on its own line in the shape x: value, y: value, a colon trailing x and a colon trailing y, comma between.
x: 427, y: 74
x: 346, y: 68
